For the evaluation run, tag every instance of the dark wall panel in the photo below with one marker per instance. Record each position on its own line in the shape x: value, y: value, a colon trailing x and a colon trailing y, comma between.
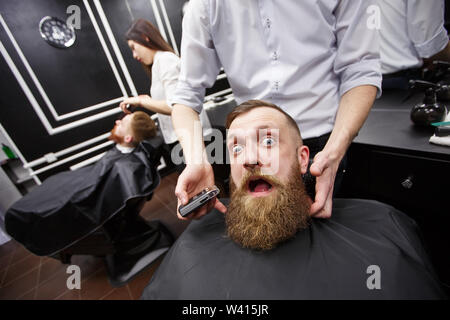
x: 81, y: 73
x: 73, y: 78
x: 121, y: 14
x: 174, y: 12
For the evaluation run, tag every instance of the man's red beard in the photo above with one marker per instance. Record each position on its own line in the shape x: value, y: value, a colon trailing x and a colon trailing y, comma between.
x: 114, y: 137
x: 263, y: 222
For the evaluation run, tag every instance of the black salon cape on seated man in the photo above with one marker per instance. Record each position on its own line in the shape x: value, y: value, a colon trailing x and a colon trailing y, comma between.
x: 267, y: 247
x: 70, y: 205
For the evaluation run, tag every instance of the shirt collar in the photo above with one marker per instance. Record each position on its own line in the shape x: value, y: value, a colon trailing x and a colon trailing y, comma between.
x: 124, y: 149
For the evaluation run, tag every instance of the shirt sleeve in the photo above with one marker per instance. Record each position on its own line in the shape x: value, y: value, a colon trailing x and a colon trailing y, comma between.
x: 358, y: 51
x: 425, y: 21
x: 200, y: 64
x: 170, y: 71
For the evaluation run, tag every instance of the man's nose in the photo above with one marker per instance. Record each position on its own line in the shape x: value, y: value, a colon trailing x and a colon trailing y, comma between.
x: 252, y: 158
x: 252, y: 165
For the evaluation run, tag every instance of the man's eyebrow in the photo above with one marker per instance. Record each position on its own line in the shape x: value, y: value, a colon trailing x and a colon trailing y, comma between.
x: 232, y: 132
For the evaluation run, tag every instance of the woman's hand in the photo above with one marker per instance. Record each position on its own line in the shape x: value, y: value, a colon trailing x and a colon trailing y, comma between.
x: 145, y: 101
x: 132, y: 101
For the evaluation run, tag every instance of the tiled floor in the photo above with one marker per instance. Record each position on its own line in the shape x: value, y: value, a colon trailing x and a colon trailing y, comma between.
x: 26, y: 276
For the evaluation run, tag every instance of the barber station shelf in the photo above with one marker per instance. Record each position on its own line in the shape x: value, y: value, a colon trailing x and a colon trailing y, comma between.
x: 19, y: 176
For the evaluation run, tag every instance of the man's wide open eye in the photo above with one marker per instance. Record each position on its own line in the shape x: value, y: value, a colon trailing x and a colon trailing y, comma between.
x: 268, y: 142
x: 236, y: 149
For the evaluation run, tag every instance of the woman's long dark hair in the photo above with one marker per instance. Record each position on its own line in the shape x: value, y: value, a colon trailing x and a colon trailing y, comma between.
x: 146, y: 34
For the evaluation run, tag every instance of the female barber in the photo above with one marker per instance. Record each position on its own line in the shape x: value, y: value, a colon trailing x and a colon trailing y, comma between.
x: 163, y: 67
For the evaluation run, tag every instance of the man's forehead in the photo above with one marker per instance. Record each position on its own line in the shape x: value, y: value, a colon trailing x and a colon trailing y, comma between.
x: 263, y: 118
x: 128, y: 117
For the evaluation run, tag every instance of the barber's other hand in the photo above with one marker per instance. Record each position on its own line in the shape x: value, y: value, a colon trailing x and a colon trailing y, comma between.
x: 324, y: 168
x: 193, y: 180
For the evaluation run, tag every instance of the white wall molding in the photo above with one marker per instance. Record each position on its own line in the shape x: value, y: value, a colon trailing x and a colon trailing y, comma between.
x: 41, y: 115
x: 169, y: 27
x: 105, y: 47
x: 116, y: 49
x: 158, y: 19
x: 75, y: 156
x: 41, y: 90
x: 71, y: 149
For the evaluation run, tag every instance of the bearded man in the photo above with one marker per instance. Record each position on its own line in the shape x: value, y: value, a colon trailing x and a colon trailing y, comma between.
x: 267, y: 247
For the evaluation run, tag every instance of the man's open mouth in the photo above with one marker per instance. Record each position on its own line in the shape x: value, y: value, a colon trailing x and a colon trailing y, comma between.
x: 259, y: 186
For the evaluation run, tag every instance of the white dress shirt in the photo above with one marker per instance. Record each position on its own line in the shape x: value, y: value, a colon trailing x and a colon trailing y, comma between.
x: 165, y: 72
x: 124, y: 149
x: 301, y: 55
x: 410, y: 30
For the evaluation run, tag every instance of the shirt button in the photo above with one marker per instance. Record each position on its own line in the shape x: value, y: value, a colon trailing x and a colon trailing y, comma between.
x: 268, y: 23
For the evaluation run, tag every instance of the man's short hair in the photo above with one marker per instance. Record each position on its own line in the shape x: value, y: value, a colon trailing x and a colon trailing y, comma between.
x: 253, y: 104
x: 142, y: 126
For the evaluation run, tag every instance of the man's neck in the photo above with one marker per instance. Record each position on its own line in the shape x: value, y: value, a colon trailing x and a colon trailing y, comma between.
x: 124, y: 148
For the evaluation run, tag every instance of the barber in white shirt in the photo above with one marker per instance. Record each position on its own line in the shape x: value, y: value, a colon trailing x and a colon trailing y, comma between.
x: 160, y: 61
x: 318, y: 60
x: 411, y: 30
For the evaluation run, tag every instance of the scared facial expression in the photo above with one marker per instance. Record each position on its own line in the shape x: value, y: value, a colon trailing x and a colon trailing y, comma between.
x: 263, y: 139
x: 269, y: 202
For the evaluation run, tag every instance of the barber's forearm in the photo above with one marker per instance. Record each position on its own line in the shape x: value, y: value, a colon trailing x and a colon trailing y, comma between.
x: 443, y: 55
x: 186, y: 123
x: 158, y: 106
x: 353, y: 110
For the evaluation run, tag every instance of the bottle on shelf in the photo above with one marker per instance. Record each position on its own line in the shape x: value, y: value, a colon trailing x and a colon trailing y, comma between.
x: 8, y: 152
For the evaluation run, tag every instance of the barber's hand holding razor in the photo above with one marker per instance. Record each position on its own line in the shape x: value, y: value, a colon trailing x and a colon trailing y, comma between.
x: 147, y: 102
x: 194, y: 179
x: 131, y: 101
x: 198, y: 174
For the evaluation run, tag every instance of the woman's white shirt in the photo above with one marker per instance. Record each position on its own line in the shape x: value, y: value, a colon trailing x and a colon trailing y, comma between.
x: 165, y: 71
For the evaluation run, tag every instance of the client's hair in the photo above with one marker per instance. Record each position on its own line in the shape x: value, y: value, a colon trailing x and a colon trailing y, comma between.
x: 253, y: 104
x: 143, y: 127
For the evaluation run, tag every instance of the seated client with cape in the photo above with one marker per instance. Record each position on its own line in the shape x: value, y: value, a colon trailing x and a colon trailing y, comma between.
x: 268, y: 247
x: 72, y: 205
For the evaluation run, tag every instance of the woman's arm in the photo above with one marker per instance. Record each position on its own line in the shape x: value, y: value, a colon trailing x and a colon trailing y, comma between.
x: 145, y: 101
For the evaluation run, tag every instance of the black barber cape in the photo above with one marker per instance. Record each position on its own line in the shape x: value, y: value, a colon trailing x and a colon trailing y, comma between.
x: 72, y: 204
x: 328, y: 260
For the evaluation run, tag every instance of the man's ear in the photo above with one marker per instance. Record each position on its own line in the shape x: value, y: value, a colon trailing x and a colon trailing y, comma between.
x: 303, y: 158
x: 128, y: 139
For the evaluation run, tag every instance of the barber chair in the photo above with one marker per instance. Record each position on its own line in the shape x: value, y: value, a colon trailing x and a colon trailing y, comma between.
x: 95, y: 211
x: 127, y: 243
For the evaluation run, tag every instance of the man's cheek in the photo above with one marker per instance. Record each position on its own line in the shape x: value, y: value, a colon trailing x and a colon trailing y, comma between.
x: 270, y: 160
x: 236, y: 177
x: 236, y: 160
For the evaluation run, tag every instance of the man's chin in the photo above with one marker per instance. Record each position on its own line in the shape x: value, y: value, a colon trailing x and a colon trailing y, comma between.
x: 114, y: 137
x: 261, y: 218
